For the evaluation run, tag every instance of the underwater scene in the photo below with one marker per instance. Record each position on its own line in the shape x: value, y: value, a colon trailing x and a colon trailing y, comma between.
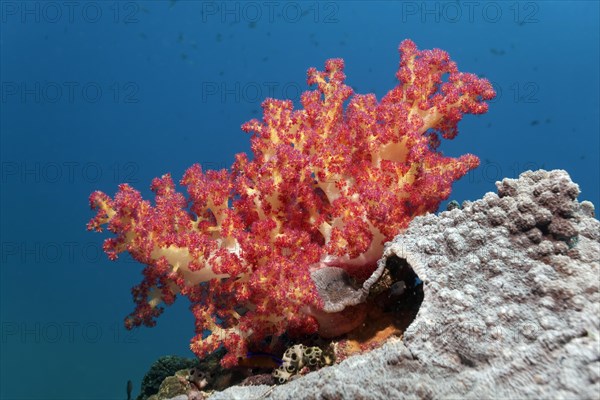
x: 299, y: 200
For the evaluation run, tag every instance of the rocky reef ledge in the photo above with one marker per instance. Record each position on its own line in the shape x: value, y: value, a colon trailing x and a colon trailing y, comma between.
x: 511, y: 305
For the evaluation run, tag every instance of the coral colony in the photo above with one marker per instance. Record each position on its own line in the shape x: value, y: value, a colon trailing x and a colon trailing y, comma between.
x: 327, y: 186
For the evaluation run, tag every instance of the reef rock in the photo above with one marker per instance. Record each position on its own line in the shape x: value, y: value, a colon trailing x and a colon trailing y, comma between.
x: 162, y: 368
x: 511, y: 306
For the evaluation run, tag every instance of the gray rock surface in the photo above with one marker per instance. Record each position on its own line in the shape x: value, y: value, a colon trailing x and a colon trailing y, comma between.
x: 511, y: 307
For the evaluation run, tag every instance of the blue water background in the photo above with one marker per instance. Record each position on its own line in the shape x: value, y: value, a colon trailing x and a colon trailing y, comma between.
x: 99, y: 93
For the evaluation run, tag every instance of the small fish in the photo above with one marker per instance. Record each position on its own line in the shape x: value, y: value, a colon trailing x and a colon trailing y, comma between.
x: 129, y: 389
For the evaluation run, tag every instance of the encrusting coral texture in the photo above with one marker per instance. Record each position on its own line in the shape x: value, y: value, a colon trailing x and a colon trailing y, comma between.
x: 328, y: 184
x: 511, y: 307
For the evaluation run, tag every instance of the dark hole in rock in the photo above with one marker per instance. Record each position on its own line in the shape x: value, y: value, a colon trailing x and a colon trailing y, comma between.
x: 393, y: 303
x: 405, y: 293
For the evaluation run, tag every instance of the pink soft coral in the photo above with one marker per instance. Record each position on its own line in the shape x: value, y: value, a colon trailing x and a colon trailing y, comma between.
x: 326, y: 186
